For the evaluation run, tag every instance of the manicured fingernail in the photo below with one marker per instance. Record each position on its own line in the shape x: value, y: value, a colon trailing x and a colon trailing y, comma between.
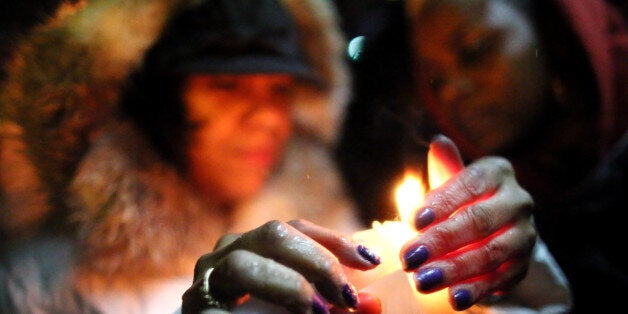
x: 350, y: 295
x: 368, y: 255
x: 424, y: 218
x: 415, y: 257
x: 428, y: 279
x: 319, y: 306
x: 462, y: 300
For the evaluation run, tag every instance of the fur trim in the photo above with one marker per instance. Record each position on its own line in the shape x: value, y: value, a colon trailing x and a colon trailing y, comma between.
x: 66, y: 75
x: 23, y: 199
x: 134, y: 214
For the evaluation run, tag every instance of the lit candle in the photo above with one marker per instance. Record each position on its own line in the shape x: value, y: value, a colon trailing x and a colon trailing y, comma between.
x: 394, y: 287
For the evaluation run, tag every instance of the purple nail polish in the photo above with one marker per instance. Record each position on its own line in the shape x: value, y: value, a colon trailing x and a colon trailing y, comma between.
x: 368, y: 255
x: 429, y: 279
x: 415, y: 257
x: 350, y: 295
x: 319, y: 306
x: 424, y: 218
x: 462, y: 300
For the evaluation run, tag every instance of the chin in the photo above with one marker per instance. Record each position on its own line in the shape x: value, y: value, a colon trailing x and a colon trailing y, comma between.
x: 245, y: 188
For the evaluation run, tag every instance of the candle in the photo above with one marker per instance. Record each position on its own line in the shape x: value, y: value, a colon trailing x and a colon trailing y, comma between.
x: 394, y: 287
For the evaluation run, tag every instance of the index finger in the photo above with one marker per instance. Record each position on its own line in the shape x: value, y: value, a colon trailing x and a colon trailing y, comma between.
x: 474, y: 183
x: 443, y: 162
x: 347, y: 251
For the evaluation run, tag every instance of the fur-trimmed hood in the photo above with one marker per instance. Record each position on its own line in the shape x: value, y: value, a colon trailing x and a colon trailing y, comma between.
x: 66, y: 77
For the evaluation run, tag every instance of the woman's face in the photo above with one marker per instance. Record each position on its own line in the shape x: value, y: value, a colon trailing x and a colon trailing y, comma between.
x: 239, y: 127
x: 480, y: 62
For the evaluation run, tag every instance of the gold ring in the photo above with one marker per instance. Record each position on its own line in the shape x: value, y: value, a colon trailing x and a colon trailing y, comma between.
x: 211, y: 301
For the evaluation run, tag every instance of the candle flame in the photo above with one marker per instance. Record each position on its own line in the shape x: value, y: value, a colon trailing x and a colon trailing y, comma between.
x: 387, y: 239
x: 409, y: 196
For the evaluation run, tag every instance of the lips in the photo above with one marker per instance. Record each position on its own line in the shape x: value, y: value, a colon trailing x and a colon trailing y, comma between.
x: 259, y: 157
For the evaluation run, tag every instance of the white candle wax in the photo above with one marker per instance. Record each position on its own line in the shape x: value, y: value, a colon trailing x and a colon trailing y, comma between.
x: 394, y: 287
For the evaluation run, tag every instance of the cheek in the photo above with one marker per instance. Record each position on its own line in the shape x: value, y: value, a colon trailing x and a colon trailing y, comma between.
x: 208, y: 147
x: 531, y: 77
x: 523, y: 88
x: 285, y: 130
x: 201, y: 158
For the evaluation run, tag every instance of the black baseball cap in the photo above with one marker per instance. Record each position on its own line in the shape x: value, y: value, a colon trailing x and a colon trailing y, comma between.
x: 232, y: 37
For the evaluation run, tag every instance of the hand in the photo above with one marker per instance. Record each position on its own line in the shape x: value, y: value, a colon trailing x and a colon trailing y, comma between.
x: 295, y: 265
x: 485, y: 246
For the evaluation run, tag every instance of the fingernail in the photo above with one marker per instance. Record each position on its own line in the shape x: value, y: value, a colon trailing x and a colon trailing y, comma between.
x: 368, y: 255
x: 415, y: 257
x: 424, y: 218
x: 439, y: 137
x: 350, y: 295
x: 462, y: 300
x: 319, y: 306
x: 428, y: 279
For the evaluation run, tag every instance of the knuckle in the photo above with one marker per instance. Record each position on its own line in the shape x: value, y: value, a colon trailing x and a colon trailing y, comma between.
x: 494, y: 254
x: 526, y: 198
x: 521, y: 197
x: 441, y: 238
x: 481, y: 219
x: 531, y: 234
x: 472, y: 181
x: 459, y: 265
x: 528, y: 202
x: 445, y: 201
x: 273, y: 231
x: 503, y: 166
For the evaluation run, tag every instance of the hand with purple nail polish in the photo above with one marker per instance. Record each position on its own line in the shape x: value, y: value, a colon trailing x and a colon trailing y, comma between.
x: 297, y: 265
x: 477, y: 234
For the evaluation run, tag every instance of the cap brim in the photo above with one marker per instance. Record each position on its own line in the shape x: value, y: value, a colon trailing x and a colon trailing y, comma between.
x: 252, y: 65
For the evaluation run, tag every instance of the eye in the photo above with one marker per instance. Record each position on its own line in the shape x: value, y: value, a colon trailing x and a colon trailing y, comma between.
x: 223, y: 83
x: 477, y: 51
x: 282, y: 90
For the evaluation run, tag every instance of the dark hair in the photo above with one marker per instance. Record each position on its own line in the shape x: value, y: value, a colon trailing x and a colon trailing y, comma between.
x: 152, y: 100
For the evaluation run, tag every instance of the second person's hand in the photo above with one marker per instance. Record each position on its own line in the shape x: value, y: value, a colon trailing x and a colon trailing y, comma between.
x: 477, y: 232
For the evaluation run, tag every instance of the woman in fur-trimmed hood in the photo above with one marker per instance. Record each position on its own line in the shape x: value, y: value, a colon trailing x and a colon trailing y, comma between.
x: 127, y: 222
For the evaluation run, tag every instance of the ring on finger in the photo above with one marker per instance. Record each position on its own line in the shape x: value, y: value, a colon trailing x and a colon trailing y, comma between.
x: 205, y: 289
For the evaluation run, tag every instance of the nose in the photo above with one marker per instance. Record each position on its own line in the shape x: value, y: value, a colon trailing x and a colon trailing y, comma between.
x: 454, y: 89
x: 269, y: 116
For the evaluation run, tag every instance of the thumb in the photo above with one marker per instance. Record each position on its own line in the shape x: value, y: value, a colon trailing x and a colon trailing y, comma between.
x: 443, y: 160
